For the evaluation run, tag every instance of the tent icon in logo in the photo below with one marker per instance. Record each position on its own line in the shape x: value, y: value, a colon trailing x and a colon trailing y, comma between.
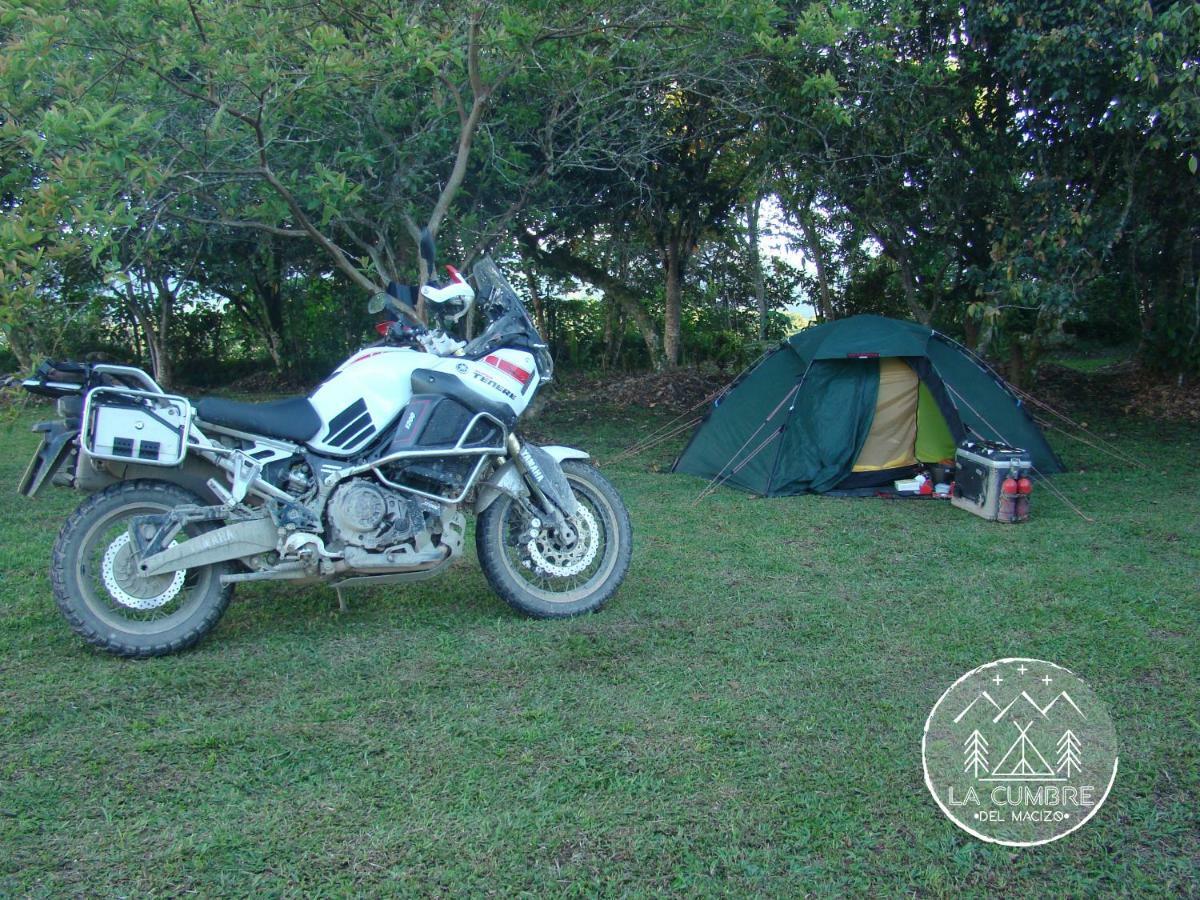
x: 1029, y: 764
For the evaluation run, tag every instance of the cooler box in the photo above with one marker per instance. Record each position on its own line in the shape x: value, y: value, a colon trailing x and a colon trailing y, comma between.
x: 980, y: 468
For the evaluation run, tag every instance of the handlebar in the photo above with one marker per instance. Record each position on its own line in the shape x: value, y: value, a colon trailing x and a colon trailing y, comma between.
x: 401, y: 334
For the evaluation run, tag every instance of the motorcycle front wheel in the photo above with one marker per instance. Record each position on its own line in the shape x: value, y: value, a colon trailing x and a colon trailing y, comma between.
x: 537, y: 574
x: 104, y: 598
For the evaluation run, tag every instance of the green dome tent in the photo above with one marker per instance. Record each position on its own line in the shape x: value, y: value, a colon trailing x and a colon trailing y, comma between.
x: 855, y: 404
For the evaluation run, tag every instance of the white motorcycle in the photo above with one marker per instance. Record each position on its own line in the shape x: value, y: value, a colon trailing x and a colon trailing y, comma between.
x: 364, y: 482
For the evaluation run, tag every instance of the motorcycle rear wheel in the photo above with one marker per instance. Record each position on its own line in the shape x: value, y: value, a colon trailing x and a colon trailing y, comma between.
x: 537, y: 577
x: 104, y: 599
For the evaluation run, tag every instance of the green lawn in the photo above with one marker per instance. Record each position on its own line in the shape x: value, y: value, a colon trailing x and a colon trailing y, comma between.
x: 1089, y: 364
x: 1089, y: 358
x: 745, y: 716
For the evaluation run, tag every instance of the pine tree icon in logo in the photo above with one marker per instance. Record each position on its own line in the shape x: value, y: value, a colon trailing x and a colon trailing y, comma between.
x: 975, y: 753
x: 1068, y: 752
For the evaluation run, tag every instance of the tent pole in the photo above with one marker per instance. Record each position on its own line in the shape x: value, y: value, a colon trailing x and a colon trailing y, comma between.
x: 1004, y: 386
x: 728, y: 389
x: 783, y: 429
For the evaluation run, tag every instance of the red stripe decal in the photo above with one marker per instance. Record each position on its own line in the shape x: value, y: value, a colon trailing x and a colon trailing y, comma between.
x: 509, y: 369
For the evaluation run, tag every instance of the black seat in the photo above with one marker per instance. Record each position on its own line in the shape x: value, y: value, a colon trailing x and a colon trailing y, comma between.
x: 291, y: 420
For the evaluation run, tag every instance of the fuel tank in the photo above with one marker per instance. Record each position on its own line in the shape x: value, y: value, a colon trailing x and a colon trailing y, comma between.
x: 367, y: 392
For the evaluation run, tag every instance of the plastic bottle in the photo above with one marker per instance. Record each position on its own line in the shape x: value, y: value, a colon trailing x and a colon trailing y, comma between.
x: 1024, y: 489
x: 1008, y: 500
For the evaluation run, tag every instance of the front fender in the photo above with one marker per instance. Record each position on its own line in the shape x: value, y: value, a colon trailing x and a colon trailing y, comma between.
x: 507, y: 479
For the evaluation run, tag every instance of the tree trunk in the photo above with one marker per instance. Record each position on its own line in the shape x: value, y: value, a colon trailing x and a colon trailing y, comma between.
x: 644, y: 324
x: 673, y: 313
x: 920, y: 312
x: 614, y: 360
x: 812, y: 242
x: 898, y: 253
x: 760, y: 284
x: 164, y: 370
x: 135, y: 333
x: 254, y: 306
x: 971, y: 332
x: 21, y: 347
x: 539, y: 308
x: 616, y: 291
x: 610, y: 334
x: 272, y: 300
x: 154, y: 326
x: 153, y: 347
x: 275, y: 350
x: 1016, y: 363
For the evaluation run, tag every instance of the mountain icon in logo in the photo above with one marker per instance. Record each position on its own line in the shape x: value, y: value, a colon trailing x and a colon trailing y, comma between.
x: 983, y: 699
x: 1043, y: 711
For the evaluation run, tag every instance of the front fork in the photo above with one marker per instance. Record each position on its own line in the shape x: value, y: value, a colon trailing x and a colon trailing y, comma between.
x: 531, y: 472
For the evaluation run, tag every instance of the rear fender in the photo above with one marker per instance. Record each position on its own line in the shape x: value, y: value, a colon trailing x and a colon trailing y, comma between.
x: 57, y: 441
x: 507, y: 479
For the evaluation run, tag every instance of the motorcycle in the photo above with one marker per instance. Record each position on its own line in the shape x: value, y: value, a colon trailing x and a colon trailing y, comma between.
x: 366, y: 481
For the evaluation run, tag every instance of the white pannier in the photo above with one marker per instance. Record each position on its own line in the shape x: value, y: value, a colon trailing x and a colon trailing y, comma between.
x: 136, y: 426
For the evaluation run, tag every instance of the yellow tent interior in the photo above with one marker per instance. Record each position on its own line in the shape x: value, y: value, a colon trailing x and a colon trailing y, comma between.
x: 908, y: 426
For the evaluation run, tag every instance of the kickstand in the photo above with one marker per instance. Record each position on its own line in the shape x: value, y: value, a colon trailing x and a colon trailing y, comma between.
x: 342, y: 607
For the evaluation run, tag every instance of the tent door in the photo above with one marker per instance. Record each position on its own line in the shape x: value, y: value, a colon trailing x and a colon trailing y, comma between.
x: 908, y: 427
x: 892, y: 439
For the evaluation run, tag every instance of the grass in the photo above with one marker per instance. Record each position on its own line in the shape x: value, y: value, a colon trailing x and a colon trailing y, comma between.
x: 1088, y: 358
x: 1090, y: 364
x: 745, y: 717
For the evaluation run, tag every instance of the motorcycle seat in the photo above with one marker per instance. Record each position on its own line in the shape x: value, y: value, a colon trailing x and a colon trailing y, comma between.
x: 294, y: 419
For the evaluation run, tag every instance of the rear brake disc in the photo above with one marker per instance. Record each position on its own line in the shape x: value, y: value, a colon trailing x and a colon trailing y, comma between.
x: 135, y: 591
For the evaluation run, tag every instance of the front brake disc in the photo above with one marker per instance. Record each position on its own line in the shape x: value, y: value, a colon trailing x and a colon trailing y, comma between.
x: 550, y: 557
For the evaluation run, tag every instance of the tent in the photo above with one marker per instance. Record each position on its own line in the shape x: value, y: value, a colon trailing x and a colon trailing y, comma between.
x: 853, y: 405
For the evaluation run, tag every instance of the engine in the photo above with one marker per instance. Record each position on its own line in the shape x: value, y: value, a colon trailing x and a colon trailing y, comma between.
x: 364, y: 514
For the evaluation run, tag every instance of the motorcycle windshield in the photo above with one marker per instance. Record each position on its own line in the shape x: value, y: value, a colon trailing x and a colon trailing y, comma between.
x: 508, y: 322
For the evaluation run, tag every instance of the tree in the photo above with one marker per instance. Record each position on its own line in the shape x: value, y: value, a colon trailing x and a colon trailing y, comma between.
x: 975, y: 754
x: 1002, y: 170
x: 344, y: 128
x: 689, y: 150
x: 1068, y: 752
x: 1003, y: 157
x: 254, y: 273
x: 1106, y: 105
x: 896, y: 144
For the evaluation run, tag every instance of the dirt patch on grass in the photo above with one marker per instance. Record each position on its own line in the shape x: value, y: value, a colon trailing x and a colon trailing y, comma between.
x: 1119, y: 390
x: 1123, y: 389
x: 677, y: 390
